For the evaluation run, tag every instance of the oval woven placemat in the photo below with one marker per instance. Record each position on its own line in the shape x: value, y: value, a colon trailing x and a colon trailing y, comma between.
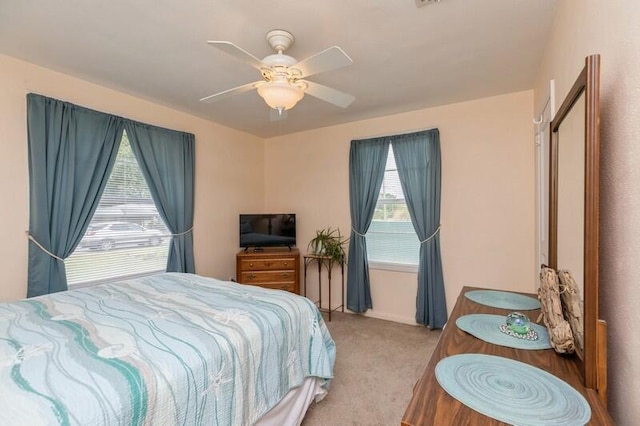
x: 487, y: 327
x: 511, y: 391
x: 503, y: 300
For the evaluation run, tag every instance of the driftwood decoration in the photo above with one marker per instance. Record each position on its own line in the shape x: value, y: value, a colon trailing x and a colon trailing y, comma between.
x: 572, y: 306
x: 559, y: 329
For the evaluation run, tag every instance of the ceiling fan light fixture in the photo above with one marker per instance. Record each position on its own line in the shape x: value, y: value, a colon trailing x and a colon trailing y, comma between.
x: 280, y: 95
x: 284, y: 82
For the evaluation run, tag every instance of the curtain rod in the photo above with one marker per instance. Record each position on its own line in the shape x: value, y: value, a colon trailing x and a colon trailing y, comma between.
x: 408, y: 132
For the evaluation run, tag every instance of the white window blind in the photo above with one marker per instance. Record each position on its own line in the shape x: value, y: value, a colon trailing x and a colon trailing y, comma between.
x: 391, y: 238
x: 126, y: 237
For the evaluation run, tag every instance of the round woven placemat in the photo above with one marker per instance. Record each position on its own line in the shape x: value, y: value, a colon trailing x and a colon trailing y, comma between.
x: 503, y: 300
x: 511, y: 391
x: 487, y: 327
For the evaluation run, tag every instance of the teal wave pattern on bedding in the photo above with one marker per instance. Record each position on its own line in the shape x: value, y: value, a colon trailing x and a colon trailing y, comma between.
x: 172, y: 349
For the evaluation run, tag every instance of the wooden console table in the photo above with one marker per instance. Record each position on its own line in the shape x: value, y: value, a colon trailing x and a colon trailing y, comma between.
x: 329, y: 263
x: 431, y: 405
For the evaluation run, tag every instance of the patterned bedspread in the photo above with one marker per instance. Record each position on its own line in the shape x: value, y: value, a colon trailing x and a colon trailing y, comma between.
x: 173, y: 349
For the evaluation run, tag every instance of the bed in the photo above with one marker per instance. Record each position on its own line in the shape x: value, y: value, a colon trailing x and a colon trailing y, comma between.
x: 172, y: 349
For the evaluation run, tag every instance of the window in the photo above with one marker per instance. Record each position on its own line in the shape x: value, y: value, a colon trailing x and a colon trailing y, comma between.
x: 126, y: 237
x: 391, y: 240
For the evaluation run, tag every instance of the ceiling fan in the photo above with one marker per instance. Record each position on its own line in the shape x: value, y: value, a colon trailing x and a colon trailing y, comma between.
x: 283, y: 83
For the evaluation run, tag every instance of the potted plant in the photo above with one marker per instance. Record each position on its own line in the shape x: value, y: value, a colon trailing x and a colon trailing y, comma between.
x: 330, y: 243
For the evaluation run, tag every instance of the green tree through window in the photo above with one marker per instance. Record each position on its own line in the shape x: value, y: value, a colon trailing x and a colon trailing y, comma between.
x: 126, y: 179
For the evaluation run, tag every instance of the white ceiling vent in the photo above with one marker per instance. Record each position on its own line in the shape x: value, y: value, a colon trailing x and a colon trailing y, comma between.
x: 420, y: 3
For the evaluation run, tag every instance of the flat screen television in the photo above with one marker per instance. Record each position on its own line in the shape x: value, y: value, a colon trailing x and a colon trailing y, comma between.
x: 267, y: 230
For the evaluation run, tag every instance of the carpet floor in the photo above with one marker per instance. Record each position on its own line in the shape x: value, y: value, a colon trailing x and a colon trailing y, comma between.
x: 377, y: 364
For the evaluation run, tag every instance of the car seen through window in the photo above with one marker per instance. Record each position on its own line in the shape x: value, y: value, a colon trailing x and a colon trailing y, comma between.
x: 110, y: 235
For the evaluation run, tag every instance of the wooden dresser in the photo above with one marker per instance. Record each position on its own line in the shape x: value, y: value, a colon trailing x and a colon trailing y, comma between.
x: 272, y: 268
x: 431, y: 405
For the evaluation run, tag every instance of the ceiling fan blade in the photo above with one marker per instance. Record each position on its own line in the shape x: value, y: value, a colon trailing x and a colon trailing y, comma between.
x: 237, y: 52
x: 328, y: 94
x: 230, y: 92
x: 329, y: 59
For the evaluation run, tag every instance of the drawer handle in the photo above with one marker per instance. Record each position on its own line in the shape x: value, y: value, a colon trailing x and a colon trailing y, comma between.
x: 284, y: 287
x: 250, y: 265
x: 284, y: 274
x: 251, y: 276
x: 286, y: 263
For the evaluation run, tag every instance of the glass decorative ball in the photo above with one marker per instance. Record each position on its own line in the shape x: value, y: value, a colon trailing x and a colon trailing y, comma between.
x: 518, y: 323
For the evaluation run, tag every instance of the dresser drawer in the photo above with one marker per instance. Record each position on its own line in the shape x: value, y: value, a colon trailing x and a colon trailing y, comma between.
x: 250, y: 277
x: 267, y: 264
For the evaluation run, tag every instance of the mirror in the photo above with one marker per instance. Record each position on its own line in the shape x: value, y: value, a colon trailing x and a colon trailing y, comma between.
x: 571, y: 185
x: 574, y: 203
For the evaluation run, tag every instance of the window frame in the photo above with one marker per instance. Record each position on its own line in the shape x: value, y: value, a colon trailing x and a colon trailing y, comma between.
x: 382, y: 264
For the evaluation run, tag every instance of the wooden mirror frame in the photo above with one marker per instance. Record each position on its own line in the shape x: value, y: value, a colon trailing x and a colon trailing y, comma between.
x: 588, y: 82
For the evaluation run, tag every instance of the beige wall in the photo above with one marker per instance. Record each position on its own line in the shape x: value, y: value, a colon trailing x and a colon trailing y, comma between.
x: 223, y: 189
x: 487, y: 214
x: 612, y: 29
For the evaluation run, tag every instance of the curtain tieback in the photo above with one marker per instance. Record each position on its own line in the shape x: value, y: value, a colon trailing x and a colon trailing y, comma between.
x: 182, y: 233
x: 41, y: 247
x: 432, y: 235
x: 357, y: 233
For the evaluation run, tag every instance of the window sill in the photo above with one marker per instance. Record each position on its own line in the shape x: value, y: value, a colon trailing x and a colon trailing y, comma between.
x: 396, y: 267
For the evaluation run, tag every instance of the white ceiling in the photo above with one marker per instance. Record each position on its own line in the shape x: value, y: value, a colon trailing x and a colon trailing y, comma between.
x: 405, y: 58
